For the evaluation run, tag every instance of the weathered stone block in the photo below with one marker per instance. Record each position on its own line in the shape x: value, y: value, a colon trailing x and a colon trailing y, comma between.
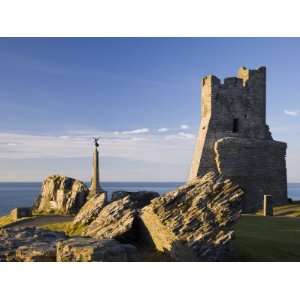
x: 268, y: 205
x: 21, y: 212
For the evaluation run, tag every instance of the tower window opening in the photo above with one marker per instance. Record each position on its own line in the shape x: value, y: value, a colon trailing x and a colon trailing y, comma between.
x: 235, y: 125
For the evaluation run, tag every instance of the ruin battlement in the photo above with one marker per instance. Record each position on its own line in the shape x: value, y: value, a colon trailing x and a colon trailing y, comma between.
x: 244, y: 79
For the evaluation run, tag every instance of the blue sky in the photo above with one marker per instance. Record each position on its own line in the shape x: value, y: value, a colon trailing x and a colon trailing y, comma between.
x: 142, y: 95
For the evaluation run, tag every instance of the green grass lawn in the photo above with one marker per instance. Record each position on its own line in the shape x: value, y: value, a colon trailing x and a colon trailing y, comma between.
x: 275, y: 238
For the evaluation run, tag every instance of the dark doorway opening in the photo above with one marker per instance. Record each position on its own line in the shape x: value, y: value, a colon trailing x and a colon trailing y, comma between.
x: 235, y: 125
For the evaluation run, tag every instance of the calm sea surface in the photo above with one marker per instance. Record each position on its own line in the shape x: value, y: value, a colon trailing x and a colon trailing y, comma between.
x: 24, y: 194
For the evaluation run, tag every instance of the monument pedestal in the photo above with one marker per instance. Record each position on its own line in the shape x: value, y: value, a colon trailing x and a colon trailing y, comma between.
x: 95, y: 183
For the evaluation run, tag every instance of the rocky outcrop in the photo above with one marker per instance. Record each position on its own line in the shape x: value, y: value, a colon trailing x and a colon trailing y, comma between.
x: 31, y: 244
x: 28, y: 244
x: 194, y: 223
x: 90, y: 210
x: 81, y: 249
x: 61, y: 195
x: 37, y: 252
x: 116, y: 220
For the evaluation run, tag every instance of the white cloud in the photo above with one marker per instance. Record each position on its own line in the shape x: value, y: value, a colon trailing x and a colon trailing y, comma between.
x: 145, y: 147
x: 180, y: 136
x: 163, y: 129
x: 136, y: 131
x: 293, y: 113
x: 184, y: 126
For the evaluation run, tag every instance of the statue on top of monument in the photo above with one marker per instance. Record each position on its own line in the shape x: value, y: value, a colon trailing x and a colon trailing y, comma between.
x: 96, y: 141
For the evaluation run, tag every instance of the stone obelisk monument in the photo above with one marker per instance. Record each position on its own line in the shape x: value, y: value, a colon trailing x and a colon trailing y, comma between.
x: 95, y: 184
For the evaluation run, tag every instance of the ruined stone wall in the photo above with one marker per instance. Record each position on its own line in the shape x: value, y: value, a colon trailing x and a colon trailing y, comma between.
x: 258, y: 166
x: 235, y: 108
x: 241, y: 98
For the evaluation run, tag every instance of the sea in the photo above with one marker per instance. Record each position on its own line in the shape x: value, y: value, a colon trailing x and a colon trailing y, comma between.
x: 19, y: 194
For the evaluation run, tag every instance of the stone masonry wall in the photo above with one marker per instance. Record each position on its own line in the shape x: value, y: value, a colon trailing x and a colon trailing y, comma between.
x: 258, y: 166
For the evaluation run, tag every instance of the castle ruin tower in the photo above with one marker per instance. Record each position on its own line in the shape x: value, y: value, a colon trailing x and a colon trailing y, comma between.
x: 235, y: 141
x: 95, y: 184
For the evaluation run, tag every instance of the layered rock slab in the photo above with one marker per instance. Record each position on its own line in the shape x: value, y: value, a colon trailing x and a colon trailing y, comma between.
x: 194, y: 223
x: 90, y: 210
x: 61, y: 195
x: 82, y: 249
x: 116, y: 220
